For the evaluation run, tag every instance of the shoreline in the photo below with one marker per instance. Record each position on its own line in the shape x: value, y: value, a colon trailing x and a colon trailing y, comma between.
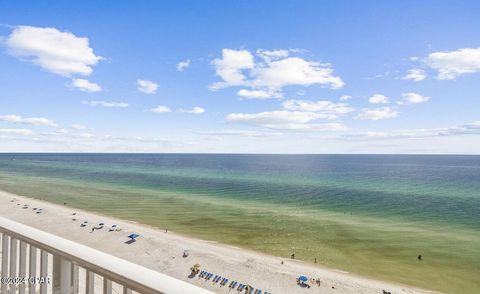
x: 162, y: 252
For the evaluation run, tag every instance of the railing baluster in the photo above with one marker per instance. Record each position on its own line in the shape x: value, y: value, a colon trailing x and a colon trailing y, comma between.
x: 43, y: 270
x: 107, y: 286
x: 126, y: 290
x: 56, y: 274
x: 5, y: 253
x: 90, y: 283
x: 13, y: 263
x: 32, y: 271
x: 75, y: 278
x: 22, y: 272
x: 65, y: 276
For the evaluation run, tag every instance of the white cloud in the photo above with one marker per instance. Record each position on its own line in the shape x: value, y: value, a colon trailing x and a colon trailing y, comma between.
x: 229, y: 67
x: 85, y: 85
x: 272, y: 71
x: 245, y: 133
x: 466, y: 129
x: 36, y: 121
x: 195, y: 110
x: 274, y: 117
x: 285, y: 120
x: 20, y: 132
x: 86, y: 136
x: 269, y: 55
x: 106, y: 104
x: 78, y: 127
x: 345, y: 97
x: 161, y: 109
x: 294, y: 71
x: 183, y: 65
x: 377, y: 113
x: 258, y: 94
x: 413, y: 98
x: 62, y: 131
x: 55, y: 51
x: 451, y: 64
x: 326, y: 109
x: 147, y: 87
x: 378, y: 99
x: 301, y: 92
x: 415, y: 75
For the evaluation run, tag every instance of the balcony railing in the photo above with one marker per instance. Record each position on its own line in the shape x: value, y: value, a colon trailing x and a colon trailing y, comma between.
x: 35, y: 261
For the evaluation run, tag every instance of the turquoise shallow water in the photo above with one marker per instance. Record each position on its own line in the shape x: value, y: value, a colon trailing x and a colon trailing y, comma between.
x: 370, y: 214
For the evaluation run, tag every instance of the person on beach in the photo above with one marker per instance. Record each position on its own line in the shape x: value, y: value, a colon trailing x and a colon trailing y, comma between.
x: 419, y: 257
x: 292, y: 256
x: 315, y: 260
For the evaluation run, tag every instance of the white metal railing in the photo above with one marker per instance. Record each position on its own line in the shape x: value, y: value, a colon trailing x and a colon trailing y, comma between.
x: 39, y: 262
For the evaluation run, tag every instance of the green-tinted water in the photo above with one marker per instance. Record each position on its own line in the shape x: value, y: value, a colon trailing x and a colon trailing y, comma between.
x: 367, y: 214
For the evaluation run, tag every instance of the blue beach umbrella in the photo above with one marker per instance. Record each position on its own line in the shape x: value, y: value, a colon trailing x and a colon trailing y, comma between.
x: 303, y: 278
x: 133, y: 236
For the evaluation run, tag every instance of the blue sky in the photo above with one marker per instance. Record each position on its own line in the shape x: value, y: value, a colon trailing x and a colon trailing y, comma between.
x: 240, y: 76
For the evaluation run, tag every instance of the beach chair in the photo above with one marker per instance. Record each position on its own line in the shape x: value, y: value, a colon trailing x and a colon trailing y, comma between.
x: 214, y: 279
x: 218, y: 279
x: 224, y: 282
x: 234, y: 284
x: 231, y: 284
x: 240, y: 287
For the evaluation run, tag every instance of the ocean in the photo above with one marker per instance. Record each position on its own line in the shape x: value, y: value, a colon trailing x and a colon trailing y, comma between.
x: 367, y: 214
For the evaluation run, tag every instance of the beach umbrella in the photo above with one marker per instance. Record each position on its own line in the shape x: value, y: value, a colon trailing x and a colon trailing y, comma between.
x: 303, y: 278
x: 133, y: 236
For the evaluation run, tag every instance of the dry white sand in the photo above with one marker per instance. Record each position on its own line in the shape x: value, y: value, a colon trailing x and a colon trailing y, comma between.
x: 162, y: 252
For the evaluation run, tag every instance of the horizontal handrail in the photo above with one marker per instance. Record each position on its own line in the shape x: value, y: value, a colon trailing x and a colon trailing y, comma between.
x: 134, y: 276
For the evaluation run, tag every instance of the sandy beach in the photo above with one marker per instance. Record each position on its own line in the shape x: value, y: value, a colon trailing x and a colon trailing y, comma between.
x: 162, y: 251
